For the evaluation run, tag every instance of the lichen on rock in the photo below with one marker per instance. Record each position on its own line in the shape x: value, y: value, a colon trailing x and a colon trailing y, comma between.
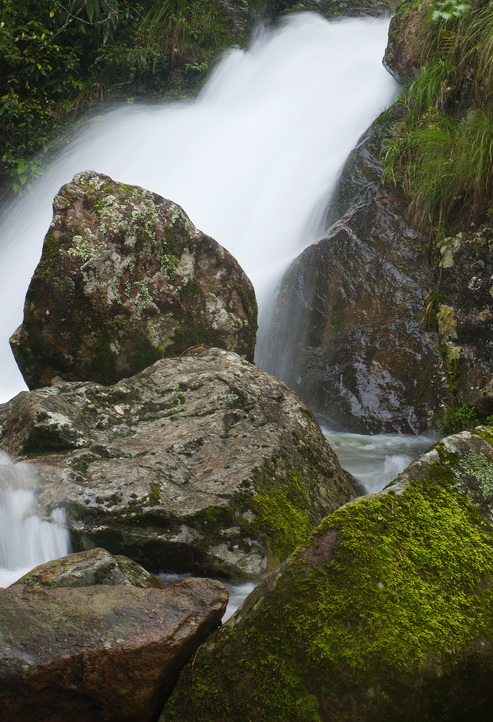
x: 125, y: 278
x: 201, y: 463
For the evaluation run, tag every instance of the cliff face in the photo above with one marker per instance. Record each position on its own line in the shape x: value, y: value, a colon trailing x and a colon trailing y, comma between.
x: 387, y: 321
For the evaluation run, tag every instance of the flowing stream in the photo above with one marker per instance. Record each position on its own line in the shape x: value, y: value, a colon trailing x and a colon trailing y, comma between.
x: 26, y: 540
x: 252, y: 161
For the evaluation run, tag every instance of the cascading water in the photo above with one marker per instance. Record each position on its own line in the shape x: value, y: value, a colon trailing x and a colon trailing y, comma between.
x: 26, y: 540
x: 252, y: 162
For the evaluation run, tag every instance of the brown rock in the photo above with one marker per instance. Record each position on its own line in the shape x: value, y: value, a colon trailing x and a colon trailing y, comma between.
x: 202, y: 463
x: 101, y: 653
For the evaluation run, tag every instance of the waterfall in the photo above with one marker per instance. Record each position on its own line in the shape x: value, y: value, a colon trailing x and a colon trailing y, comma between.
x: 251, y: 161
x: 26, y: 540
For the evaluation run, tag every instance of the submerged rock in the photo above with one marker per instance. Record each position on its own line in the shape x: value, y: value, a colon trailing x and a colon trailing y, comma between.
x: 124, y: 279
x: 201, y: 463
x: 100, y: 653
x: 385, y: 615
x: 85, y: 569
x: 349, y: 321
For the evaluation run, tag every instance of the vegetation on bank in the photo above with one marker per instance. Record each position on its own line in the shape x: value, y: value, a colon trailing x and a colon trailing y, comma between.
x: 59, y: 57
x: 441, y: 152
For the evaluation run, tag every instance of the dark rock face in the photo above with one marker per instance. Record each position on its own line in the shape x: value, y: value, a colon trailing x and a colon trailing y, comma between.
x: 465, y: 318
x: 95, y: 566
x: 101, y: 653
x: 404, y: 53
x: 349, y: 320
x: 124, y: 279
x: 338, y: 8
x: 384, y: 616
x: 201, y: 463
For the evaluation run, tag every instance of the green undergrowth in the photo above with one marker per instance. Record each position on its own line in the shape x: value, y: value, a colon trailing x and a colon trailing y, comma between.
x: 390, y: 599
x: 57, y: 59
x: 441, y: 152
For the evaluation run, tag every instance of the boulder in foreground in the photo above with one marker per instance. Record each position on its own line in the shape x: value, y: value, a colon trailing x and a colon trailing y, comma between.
x: 99, y: 653
x: 385, y: 615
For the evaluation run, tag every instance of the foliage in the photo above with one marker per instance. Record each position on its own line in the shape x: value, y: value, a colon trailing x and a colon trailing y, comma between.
x: 441, y: 154
x: 58, y: 57
x: 456, y: 418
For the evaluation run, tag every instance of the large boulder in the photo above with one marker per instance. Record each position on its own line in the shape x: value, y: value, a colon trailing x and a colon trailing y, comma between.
x: 201, y: 463
x: 100, y: 653
x: 94, y: 566
x: 385, y: 615
x: 124, y: 279
x: 349, y: 318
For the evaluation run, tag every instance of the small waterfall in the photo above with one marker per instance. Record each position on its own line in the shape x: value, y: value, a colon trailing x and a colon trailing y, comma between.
x: 26, y: 540
x: 251, y: 160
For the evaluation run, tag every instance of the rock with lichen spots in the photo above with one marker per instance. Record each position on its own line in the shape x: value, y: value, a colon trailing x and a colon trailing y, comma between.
x: 87, y: 568
x: 385, y: 615
x: 201, y: 463
x: 124, y: 279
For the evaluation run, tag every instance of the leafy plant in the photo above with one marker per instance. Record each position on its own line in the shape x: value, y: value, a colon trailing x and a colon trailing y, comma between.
x: 456, y: 418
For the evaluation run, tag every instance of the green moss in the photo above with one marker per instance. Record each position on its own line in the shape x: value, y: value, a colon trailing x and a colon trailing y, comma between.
x: 394, y: 589
x: 282, y: 512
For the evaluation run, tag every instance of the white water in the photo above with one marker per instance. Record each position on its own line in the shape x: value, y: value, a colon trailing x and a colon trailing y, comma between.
x: 376, y: 460
x: 26, y: 540
x: 251, y: 161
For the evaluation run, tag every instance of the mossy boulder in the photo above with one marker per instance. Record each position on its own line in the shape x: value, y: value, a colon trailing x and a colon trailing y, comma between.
x: 124, y: 279
x: 385, y: 615
x: 87, y: 568
x: 201, y: 463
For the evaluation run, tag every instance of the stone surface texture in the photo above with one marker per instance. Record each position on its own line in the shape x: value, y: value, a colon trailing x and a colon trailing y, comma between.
x: 84, y: 569
x: 100, y: 653
x: 124, y: 279
x: 201, y: 463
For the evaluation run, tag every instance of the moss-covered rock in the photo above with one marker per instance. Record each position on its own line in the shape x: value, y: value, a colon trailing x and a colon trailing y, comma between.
x: 125, y: 278
x: 385, y: 615
x: 202, y: 463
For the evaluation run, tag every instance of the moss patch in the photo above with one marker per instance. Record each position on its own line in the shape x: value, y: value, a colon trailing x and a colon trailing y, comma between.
x: 390, y: 598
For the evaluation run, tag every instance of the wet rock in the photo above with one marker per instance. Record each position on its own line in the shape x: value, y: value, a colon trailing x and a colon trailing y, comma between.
x: 349, y: 319
x: 100, y: 653
x: 338, y: 8
x: 201, y: 463
x: 464, y: 317
x: 384, y: 616
x: 85, y: 569
x: 404, y: 53
x: 124, y: 279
